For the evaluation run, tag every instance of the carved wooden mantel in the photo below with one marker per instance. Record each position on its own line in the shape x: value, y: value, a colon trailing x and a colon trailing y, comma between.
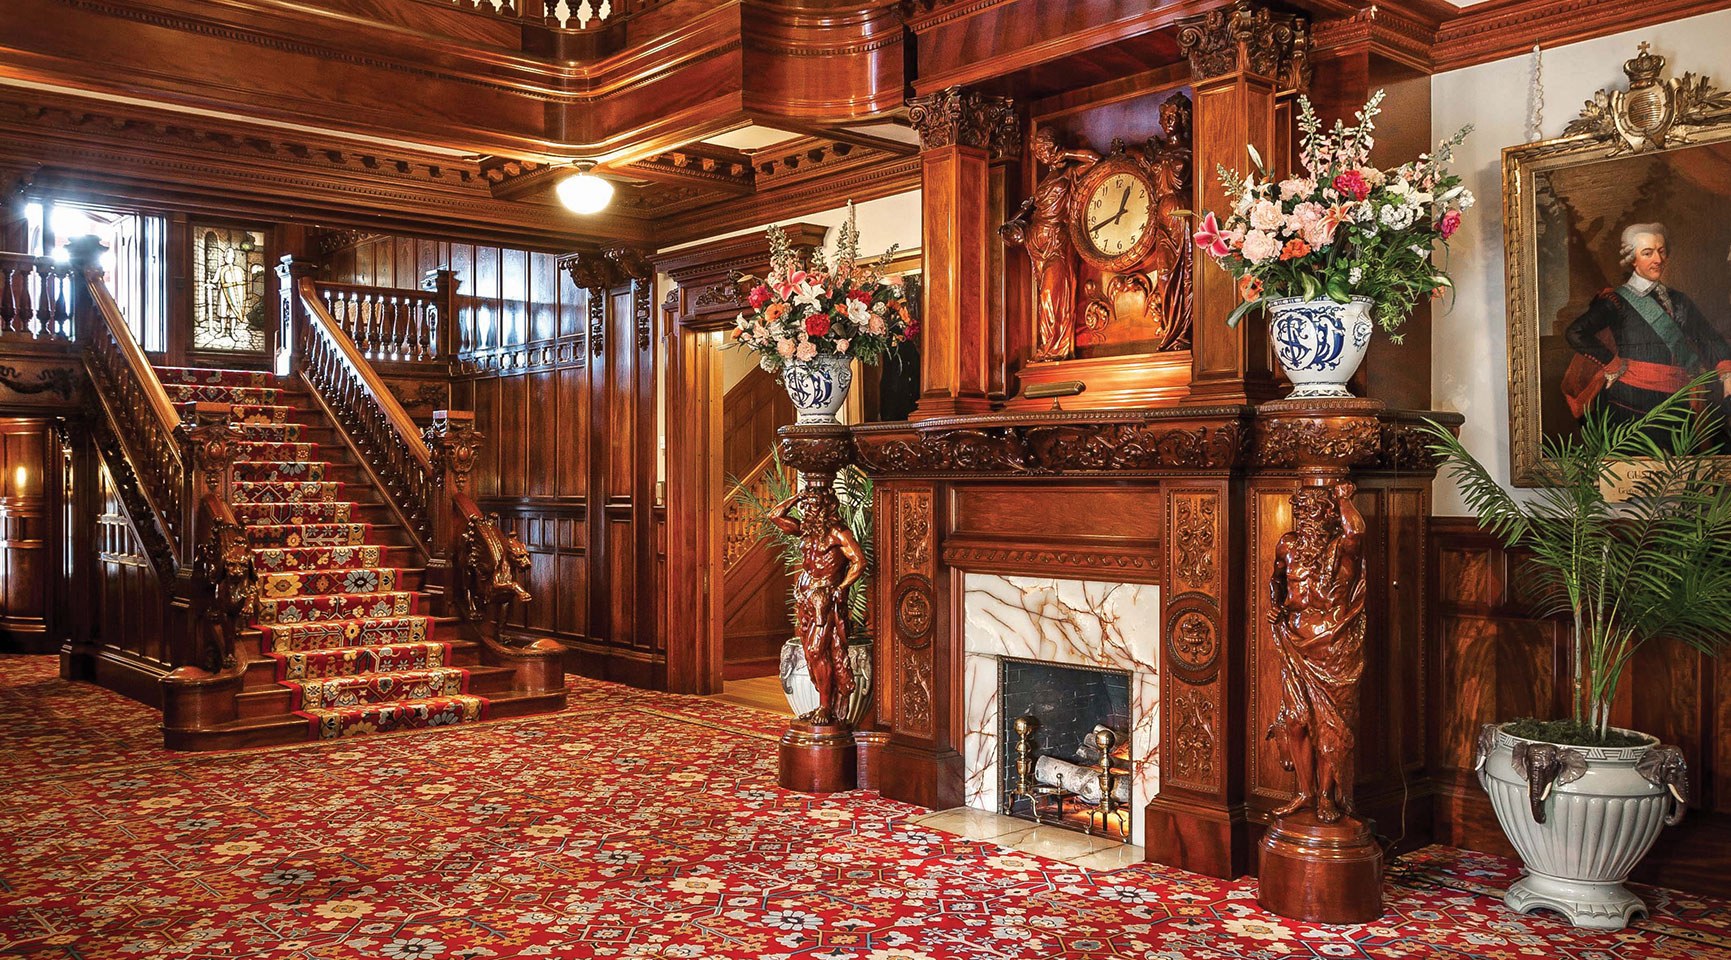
x: 1187, y: 498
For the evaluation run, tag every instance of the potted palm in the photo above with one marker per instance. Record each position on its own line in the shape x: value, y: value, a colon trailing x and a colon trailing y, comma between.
x: 853, y: 491
x: 1582, y: 801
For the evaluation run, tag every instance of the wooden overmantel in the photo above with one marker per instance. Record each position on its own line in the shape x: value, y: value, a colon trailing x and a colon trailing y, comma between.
x: 1190, y: 498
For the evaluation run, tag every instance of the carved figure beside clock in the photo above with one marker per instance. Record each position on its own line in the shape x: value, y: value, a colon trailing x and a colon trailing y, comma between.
x: 1111, y: 261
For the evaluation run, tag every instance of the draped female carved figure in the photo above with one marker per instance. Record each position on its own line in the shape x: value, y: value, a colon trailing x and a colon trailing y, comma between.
x: 830, y: 561
x: 1042, y: 227
x: 1318, y: 589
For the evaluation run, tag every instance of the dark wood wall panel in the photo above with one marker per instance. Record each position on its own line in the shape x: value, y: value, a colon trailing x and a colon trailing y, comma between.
x: 130, y: 601
x: 27, y: 467
x: 1495, y: 662
x: 566, y: 435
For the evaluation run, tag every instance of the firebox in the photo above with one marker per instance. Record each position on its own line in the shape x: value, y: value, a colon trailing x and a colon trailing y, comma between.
x: 1064, y: 754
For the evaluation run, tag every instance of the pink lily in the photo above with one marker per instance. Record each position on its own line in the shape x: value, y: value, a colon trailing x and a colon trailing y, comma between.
x: 1208, y: 237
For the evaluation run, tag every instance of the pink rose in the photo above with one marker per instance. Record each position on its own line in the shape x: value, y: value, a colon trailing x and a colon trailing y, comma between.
x: 806, y: 351
x: 760, y: 295
x: 1260, y: 246
x: 784, y: 347
x: 1451, y: 221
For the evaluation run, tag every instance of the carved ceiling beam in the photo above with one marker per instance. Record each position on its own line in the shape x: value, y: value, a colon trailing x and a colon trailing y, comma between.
x: 1248, y: 39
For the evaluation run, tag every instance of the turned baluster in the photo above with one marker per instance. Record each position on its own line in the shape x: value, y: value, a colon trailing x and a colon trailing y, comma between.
x: 442, y: 336
x: 11, y: 280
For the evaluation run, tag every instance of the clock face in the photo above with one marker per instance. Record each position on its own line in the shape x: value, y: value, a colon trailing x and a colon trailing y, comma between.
x: 1116, y: 216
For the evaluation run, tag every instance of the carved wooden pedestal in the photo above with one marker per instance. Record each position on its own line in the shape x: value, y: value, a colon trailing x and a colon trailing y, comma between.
x: 818, y: 757
x: 1320, y: 872
x: 818, y: 753
x: 1319, y: 862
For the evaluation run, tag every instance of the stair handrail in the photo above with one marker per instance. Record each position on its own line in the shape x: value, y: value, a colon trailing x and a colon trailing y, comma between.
x: 365, y: 408
x: 144, y: 421
x: 765, y: 465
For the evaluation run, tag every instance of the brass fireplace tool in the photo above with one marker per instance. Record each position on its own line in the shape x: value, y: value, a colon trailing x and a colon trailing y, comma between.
x: 1025, y: 786
x: 1108, y: 809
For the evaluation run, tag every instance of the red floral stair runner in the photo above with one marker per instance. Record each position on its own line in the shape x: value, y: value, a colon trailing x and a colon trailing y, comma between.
x: 350, y: 644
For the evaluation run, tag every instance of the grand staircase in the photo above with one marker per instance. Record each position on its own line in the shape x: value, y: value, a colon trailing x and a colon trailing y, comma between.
x: 341, y: 640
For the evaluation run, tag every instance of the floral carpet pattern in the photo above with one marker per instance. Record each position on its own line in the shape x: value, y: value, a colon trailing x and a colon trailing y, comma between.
x: 631, y: 825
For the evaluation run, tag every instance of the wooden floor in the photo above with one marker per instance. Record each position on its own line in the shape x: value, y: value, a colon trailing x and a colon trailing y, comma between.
x: 758, y: 693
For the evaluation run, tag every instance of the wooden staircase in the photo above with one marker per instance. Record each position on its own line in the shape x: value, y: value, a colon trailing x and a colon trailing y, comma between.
x: 340, y: 640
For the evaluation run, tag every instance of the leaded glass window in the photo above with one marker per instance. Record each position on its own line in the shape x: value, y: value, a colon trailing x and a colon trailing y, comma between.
x: 228, y: 278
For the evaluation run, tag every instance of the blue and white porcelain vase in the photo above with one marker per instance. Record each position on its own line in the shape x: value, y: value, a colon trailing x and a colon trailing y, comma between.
x: 818, y: 387
x: 1320, y: 343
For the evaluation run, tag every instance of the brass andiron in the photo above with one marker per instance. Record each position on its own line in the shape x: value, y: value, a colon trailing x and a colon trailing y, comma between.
x: 1025, y: 787
x: 1108, y: 809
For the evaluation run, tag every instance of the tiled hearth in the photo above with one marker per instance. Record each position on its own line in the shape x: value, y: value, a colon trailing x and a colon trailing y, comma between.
x: 1111, y: 626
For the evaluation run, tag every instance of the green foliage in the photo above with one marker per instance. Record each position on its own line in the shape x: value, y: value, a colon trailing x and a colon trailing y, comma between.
x: 1655, y: 565
x: 853, y: 491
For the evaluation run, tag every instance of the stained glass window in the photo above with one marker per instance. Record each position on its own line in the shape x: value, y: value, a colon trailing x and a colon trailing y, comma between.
x: 228, y: 278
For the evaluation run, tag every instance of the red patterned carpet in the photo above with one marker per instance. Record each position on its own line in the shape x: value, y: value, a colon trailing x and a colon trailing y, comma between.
x: 632, y: 825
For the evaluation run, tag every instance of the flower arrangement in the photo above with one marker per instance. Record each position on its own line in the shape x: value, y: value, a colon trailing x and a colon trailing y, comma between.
x: 802, y: 311
x: 1344, y: 228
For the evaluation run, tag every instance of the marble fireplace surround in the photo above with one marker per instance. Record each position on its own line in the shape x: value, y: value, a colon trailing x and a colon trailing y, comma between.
x: 1114, y: 626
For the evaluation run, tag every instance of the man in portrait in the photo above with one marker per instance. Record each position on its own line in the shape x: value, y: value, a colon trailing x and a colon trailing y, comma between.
x: 1641, y: 341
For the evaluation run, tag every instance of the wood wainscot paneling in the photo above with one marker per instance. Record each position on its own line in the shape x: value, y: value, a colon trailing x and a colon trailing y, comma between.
x: 31, y: 537
x: 1493, y: 661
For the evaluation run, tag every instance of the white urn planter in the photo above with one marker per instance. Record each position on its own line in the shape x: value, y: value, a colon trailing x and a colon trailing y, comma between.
x: 1320, y: 343
x: 802, y: 695
x: 1581, y: 818
x: 818, y: 387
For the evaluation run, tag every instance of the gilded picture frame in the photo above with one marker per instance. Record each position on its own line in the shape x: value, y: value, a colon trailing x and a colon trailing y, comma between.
x: 1641, y: 167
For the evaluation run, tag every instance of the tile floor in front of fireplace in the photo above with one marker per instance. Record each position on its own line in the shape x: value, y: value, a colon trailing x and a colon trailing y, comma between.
x: 1100, y: 854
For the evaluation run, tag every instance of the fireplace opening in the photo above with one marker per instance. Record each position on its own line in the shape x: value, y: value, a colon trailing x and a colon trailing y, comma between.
x: 1065, y: 746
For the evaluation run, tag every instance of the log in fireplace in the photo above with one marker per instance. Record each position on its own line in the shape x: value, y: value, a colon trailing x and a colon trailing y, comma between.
x: 1065, y: 736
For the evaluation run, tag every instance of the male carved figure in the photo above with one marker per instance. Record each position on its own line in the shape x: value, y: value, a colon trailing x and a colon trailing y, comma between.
x: 830, y: 561
x: 1318, y: 590
x: 1041, y: 226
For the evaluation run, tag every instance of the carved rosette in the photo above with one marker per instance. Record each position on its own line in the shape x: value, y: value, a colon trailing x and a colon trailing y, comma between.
x: 1193, y: 636
x: 963, y: 118
x: 454, y: 443
x: 1248, y: 39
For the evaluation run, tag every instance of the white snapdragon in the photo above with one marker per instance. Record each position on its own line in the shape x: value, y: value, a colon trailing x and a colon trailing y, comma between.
x: 1355, y: 275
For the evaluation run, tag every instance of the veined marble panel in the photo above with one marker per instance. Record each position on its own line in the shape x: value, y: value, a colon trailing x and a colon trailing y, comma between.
x: 1079, y: 622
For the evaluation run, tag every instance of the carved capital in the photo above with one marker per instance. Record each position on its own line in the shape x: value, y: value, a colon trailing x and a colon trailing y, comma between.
x: 1248, y: 39
x: 1313, y: 438
x: 454, y: 442
x: 816, y: 450
x: 963, y: 118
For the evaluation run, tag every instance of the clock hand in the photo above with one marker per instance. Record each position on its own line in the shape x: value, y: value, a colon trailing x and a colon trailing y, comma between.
x: 1124, y: 202
x: 1108, y: 221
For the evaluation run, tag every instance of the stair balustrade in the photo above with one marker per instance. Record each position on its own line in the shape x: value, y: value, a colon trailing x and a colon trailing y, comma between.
x: 35, y: 298
x: 405, y: 326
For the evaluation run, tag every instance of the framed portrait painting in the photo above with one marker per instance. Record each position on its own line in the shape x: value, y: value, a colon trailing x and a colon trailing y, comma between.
x: 1617, y: 242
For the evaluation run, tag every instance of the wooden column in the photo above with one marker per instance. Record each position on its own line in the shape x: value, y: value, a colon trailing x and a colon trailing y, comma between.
x: 1244, y: 61
x: 962, y: 133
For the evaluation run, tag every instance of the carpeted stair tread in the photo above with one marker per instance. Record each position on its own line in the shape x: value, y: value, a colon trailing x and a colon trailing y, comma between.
x: 291, y: 471
x: 374, y: 631
x: 277, y: 514
x: 318, y: 607
x: 213, y: 393
x: 276, y: 450
x: 349, y: 580
x: 281, y: 559
x: 211, y: 377
x: 307, y: 534
x: 273, y: 433
x: 354, y: 661
x: 363, y: 688
x: 391, y: 717
x: 286, y: 491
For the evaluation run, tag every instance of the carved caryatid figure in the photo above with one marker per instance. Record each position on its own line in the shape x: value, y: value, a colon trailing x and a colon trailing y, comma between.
x: 1318, y: 590
x: 830, y: 561
x: 1042, y: 227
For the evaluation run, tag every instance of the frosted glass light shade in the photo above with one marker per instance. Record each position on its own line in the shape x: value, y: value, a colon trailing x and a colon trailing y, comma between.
x: 585, y: 193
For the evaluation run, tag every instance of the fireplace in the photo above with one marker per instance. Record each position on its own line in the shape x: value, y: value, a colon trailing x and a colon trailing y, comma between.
x: 1076, y: 654
x: 1065, y: 755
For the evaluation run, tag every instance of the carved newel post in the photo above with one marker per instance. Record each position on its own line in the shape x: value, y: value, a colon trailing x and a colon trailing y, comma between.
x: 817, y: 752
x: 1320, y: 862
x: 453, y: 443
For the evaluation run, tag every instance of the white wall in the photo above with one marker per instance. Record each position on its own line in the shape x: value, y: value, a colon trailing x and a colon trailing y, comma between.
x: 1469, y: 362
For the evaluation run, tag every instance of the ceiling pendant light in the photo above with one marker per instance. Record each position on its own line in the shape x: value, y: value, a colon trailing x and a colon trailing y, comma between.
x: 585, y: 192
